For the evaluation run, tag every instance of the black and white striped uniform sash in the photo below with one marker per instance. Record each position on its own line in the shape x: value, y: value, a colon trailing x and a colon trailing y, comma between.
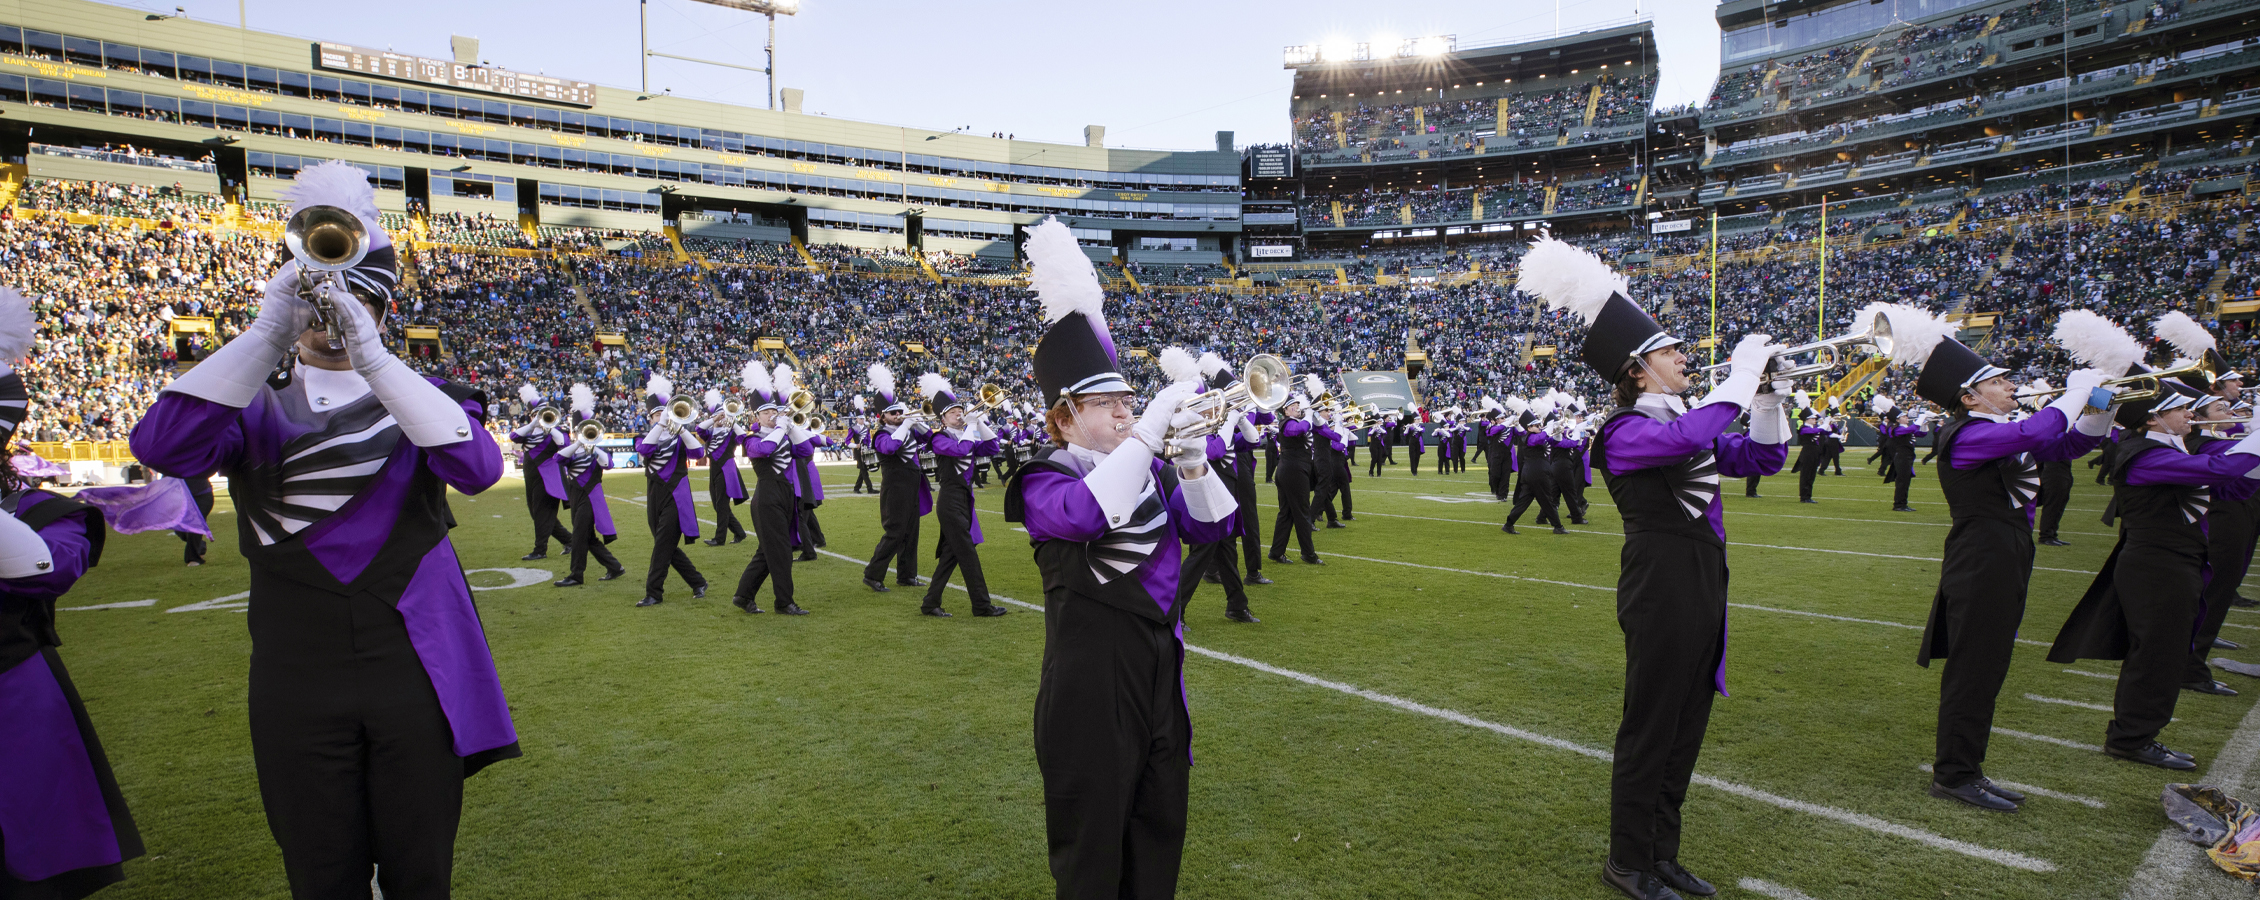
x: 1695, y: 483
x: 575, y: 466
x: 655, y: 462
x: 2020, y: 476
x: 323, y: 468
x: 1121, y: 551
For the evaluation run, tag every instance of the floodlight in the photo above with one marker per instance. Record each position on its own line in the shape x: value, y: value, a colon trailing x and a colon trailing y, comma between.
x: 1301, y: 55
x: 1392, y: 44
x: 1435, y: 45
x: 1337, y: 50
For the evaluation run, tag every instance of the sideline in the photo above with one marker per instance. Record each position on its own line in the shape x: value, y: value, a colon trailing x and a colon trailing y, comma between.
x: 2007, y: 858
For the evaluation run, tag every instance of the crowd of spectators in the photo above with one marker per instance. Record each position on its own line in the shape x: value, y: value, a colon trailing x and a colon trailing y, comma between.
x: 1540, y: 111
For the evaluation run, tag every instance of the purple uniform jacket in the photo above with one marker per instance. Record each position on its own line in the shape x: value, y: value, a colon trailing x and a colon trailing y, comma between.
x: 2045, y: 435
x: 884, y: 442
x: 51, y: 805
x: 944, y: 444
x: 1061, y: 508
x: 675, y: 467
x: 2236, y: 491
x: 2161, y: 465
x: 185, y: 436
x: 721, y: 452
x: 537, y: 457
x: 1639, y: 442
x: 808, y: 484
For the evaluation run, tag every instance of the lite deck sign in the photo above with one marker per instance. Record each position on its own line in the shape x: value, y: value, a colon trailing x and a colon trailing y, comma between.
x: 386, y: 64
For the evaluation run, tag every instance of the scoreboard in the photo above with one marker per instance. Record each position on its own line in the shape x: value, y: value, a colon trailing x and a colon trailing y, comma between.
x: 445, y: 73
x: 1271, y: 162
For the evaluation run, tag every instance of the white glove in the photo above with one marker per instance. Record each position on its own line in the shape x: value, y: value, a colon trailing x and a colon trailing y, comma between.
x: 426, y: 415
x: 527, y: 430
x: 659, y: 433
x: 1769, y: 423
x: 779, y: 434
x: 1751, y: 355
x: 1247, y: 429
x: 902, y: 432
x: 23, y: 553
x: 1161, y: 414
x: 2078, y: 387
x: 232, y: 375
x: 557, y: 436
x: 1193, y: 452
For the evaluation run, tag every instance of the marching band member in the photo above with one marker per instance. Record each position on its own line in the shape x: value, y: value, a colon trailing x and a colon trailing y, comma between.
x: 372, y: 692
x: 905, y: 495
x: 1338, y: 437
x: 776, y: 500
x: 1895, y: 441
x: 724, y: 486
x: 537, y: 462
x: 2231, y: 526
x: 1244, y: 438
x: 1106, y: 513
x: 1376, y: 447
x: 808, y: 484
x: 1837, y: 428
x: 859, y: 435
x: 1662, y: 461
x: 66, y: 826
x: 1498, y: 454
x: 1416, y: 437
x: 1989, y: 472
x: 2143, y: 606
x: 1812, y: 448
x: 1327, y: 468
x: 1296, y: 435
x: 1537, y: 461
x: 962, y: 437
x: 667, y: 450
x: 1572, y: 467
x: 1448, y: 445
x: 582, y: 465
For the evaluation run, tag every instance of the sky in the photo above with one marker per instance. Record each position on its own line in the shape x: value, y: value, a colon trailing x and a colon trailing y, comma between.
x: 1159, y: 74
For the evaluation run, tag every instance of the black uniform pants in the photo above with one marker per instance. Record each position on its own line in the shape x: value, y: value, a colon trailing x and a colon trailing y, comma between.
x: 2055, y: 494
x: 1374, y: 459
x: 1328, y: 485
x: 773, y: 556
x: 2160, y: 604
x: 1569, y: 485
x: 1671, y: 603
x: 1981, y: 601
x: 1805, y: 478
x: 194, y: 552
x: 1750, y: 486
x: 586, y: 541
x: 955, y: 552
x: 1270, y: 462
x: 1835, y: 458
x: 355, y: 758
x: 1294, y: 513
x: 2229, y: 539
x: 1415, y: 457
x: 1502, y: 472
x: 543, y: 508
x: 1902, y: 475
x: 666, y: 543
x: 862, y: 477
x: 1537, y: 483
x: 726, y: 524
x: 897, y: 543
x: 1112, y: 744
x: 811, y: 533
x: 1250, y: 523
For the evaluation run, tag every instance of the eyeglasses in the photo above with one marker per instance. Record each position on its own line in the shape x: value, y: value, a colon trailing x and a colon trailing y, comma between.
x: 1110, y: 404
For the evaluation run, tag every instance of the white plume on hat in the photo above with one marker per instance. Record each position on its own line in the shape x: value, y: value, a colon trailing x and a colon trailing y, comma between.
x: 659, y: 386
x: 861, y: 403
x: 1489, y: 404
x: 933, y: 383
x: 786, y: 380
x: 1542, y: 407
x: 1517, y: 405
x: 527, y: 393
x: 1313, y: 385
x: 1567, y: 277
x: 1880, y: 404
x: 1062, y: 276
x: 712, y: 398
x: 2188, y: 337
x: 1914, y: 332
x: 1835, y: 401
x: 584, y: 400
x: 16, y: 326
x: 1212, y: 364
x: 2096, y: 342
x: 755, y: 377
x: 1178, y: 364
x: 882, y: 378
x: 340, y: 184
x: 1804, y: 400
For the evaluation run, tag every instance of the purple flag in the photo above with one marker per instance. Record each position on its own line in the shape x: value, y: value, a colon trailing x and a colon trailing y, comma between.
x: 161, y: 505
x: 34, y: 467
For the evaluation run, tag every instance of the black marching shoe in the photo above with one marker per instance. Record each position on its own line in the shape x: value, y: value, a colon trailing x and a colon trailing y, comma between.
x: 1637, y: 885
x: 567, y: 581
x: 2054, y: 542
x: 746, y: 604
x: 1974, y: 794
x: 1509, y: 528
x: 806, y: 556
x: 1999, y: 791
x: 1577, y: 521
x: 1349, y: 518
x: 2155, y: 754
x: 1902, y: 509
x: 789, y: 608
x: 648, y: 601
x: 1336, y: 525
x: 740, y: 539
x: 2226, y: 644
x: 712, y: 542
x: 935, y: 611
x: 1560, y: 530
x: 1241, y: 615
x: 2241, y: 600
x: 1259, y: 579
x: 990, y: 611
x: 1683, y: 881
x: 2215, y: 688
x: 1211, y: 577
x: 876, y: 586
x: 1808, y: 500
x: 699, y: 592
x: 1313, y: 561
x: 610, y: 574
x: 915, y: 581
x: 530, y: 557
x: 1282, y: 560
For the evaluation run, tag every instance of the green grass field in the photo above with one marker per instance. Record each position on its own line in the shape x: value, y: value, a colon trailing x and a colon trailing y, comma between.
x: 864, y: 751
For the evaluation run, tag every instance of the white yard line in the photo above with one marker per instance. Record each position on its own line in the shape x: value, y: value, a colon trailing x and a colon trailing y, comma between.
x: 2098, y: 707
x: 2007, y: 858
x: 2102, y: 675
x: 2044, y: 739
x: 1770, y: 889
x: 2036, y: 791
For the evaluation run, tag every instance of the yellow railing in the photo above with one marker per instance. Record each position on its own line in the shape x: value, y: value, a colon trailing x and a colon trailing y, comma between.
x: 111, y: 452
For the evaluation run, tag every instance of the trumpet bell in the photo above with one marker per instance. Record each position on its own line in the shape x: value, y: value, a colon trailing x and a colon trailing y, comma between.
x: 547, y: 417
x: 1267, y: 378
x: 733, y: 408
x: 989, y: 396
x: 326, y: 238
x: 682, y: 412
x: 589, y: 432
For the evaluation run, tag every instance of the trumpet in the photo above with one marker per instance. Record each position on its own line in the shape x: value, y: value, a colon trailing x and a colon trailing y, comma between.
x: 547, y: 417
x: 1828, y: 355
x: 589, y: 432
x: 988, y: 397
x: 2232, y: 420
x: 2147, y: 385
x: 1262, y: 385
x: 731, y: 413
x: 681, y: 414
x: 326, y: 240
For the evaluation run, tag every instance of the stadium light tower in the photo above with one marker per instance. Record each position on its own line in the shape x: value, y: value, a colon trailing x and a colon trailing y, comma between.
x: 770, y: 8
